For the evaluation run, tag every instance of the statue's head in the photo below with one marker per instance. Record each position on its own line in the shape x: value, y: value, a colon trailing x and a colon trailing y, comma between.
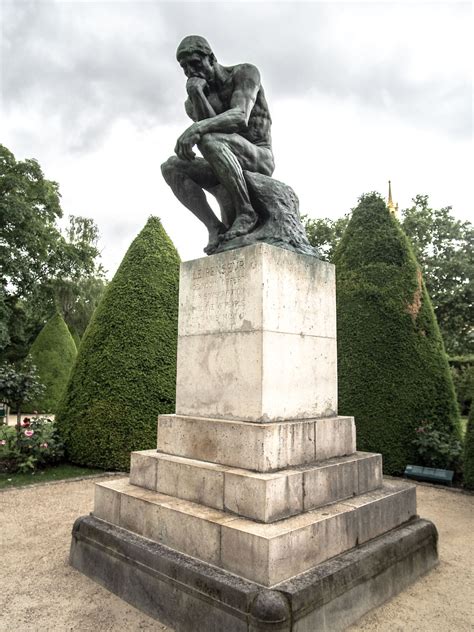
x: 196, y: 58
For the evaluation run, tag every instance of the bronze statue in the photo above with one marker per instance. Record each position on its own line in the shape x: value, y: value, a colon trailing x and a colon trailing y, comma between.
x: 232, y: 130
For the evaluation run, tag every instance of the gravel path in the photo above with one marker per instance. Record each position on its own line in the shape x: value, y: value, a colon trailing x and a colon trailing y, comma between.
x: 40, y: 592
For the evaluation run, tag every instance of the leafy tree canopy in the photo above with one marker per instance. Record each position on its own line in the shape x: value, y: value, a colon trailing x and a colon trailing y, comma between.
x: 42, y: 270
x: 18, y: 386
x: 393, y: 371
x: 125, y: 371
x: 444, y: 247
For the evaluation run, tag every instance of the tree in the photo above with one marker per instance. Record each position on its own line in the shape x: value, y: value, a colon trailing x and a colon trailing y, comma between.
x: 53, y: 353
x: 125, y: 371
x: 393, y: 370
x: 469, y: 452
x: 18, y: 386
x: 29, y: 208
x: 325, y: 234
x: 40, y: 265
x: 444, y: 248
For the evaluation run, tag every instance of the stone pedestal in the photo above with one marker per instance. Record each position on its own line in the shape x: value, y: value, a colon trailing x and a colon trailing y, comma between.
x: 255, y: 512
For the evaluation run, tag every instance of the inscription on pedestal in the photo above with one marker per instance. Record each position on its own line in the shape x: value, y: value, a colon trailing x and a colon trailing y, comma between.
x: 257, y: 336
x: 214, y: 296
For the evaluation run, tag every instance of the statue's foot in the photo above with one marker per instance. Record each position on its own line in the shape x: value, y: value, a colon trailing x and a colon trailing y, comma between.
x: 215, y: 238
x: 243, y: 224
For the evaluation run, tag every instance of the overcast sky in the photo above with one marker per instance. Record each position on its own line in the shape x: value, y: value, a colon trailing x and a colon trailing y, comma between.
x: 359, y: 93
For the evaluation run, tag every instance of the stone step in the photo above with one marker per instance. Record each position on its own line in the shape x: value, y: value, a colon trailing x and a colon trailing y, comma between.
x: 262, y: 447
x: 265, y: 553
x: 260, y: 496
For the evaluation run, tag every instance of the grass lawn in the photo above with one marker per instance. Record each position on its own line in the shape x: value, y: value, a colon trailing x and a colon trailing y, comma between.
x: 54, y: 473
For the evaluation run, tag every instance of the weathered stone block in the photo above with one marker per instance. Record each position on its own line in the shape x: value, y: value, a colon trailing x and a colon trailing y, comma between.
x: 377, y: 513
x: 246, y: 318
x: 180, y: 590
x: 192, y: 480
x: 335, y: 436
x: 143, y: 469
x: 263, y: 497
x: 339, y: 478
x: 255, y: 446
x: 106, y: 504
x: 265, y: 553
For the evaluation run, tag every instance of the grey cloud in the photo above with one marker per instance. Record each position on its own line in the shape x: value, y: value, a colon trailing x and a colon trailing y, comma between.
x: 89, y: 64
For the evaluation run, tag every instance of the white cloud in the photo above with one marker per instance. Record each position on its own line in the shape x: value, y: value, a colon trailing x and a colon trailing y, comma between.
x: 359, y: 93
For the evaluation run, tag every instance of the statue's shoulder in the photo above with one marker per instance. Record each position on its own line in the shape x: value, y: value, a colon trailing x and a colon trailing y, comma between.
x: 245, y: 72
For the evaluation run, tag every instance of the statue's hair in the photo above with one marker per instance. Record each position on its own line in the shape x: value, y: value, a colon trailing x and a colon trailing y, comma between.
x: 194, y: 44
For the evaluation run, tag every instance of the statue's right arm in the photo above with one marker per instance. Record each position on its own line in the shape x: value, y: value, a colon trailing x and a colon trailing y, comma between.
x: 190, y: 111
x: 197, y: 88
x: 201, y: 107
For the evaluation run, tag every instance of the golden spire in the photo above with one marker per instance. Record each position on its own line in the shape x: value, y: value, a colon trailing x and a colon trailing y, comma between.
x: 393, y: 208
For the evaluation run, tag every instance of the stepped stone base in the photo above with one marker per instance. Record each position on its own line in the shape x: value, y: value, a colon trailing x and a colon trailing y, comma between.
x: 263, y: 553
x: 185, y: 593
x: 262, y: 447
x: 255, y: 512
x: 260, y: 496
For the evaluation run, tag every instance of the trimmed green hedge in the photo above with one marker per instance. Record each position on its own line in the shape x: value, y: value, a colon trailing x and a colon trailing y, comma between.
x: 469, y: 452
x: 53, y: 353
x: 462, y: 370
x: 393, y: 370
x: 125, y: 372
x: 75, y: 336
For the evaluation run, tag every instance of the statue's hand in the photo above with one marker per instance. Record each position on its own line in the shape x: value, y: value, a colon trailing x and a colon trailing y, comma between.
x: 186, y: 142
x: 196, y: 85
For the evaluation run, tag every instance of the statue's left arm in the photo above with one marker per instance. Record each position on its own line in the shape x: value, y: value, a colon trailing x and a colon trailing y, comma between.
x: 234, y: 120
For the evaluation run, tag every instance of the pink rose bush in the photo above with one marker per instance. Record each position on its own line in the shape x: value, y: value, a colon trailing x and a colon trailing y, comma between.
x: 34, y: 443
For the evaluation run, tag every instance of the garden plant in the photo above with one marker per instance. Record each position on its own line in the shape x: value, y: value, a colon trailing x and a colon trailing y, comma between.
x: 392, y: 365
x: 33, y: 443
x: 125, y: 371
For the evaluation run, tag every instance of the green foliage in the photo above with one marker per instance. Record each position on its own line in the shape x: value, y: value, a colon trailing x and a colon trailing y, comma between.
x: 325, y: 234
x: 42, y: 270
x: 393, y: 371
x: 29, y: 208
x: 75, y: 336
x: 126, y: 367
x: 53, y: 353
x: 436, y: 448
x: 19, y: 385
x: 58, y: 472
x: 462, y: 370
x: 444, y: 248
x: 469, y: 452
x: 33, y: 444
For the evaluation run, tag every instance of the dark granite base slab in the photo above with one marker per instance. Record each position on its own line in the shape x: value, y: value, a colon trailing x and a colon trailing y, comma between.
x: 190, y: 595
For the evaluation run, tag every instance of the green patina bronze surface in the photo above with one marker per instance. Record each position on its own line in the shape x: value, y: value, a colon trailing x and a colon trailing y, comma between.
x: 232, y: 130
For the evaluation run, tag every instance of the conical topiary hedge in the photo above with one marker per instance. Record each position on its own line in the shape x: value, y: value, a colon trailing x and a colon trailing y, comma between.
x: 393, y: 370
x: 469, y: 451
x: 53, y: 353
x: 75, y: 336
x: 126, y: 367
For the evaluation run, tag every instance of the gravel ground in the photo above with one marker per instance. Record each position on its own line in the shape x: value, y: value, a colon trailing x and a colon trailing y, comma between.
x: 40, y: 592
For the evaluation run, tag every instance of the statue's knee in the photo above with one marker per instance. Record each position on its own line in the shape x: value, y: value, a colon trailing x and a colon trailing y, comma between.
x: 169, y: 168
x: 210, y: 143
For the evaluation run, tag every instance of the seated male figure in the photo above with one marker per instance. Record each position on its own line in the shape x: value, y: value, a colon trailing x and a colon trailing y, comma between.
x: 231, y: 130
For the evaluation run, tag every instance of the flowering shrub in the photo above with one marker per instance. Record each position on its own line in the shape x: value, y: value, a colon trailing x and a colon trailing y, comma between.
x: 436, y: 448
x: 32, y: 444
